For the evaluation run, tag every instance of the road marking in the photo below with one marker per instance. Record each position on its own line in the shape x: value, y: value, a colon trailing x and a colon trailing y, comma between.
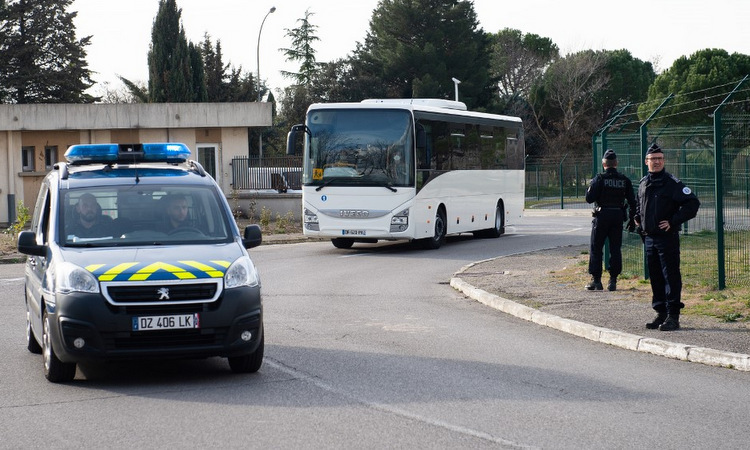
x: 10, y: 280
x: 296, y: 373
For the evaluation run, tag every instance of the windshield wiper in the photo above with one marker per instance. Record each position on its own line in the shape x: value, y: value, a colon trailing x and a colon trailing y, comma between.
x: 390, y: 187
x: 327, y: 183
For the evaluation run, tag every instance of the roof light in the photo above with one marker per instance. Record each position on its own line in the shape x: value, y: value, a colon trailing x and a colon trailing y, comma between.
x: 166, y: 152
x: 169, y: 152
x: 91, y: 153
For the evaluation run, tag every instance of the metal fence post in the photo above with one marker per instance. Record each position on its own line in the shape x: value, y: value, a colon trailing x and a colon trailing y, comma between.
x: 562, y: 183
x: 719, y: 196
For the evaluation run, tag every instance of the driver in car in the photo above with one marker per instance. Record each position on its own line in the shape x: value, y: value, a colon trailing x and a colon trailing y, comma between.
x: 177, y: 212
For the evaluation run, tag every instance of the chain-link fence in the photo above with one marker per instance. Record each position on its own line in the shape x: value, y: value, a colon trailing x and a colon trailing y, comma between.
x: 715, y: 245
x: 557, y: 184
x: 712, y: 159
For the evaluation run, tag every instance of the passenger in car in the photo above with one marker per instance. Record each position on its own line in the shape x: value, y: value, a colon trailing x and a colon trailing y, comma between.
x: 88, y: 220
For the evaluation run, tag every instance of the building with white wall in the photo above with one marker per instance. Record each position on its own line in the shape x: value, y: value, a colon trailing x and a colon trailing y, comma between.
x: 34, y: 137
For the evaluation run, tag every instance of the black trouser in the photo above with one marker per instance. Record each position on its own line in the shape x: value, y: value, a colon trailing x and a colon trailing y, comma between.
x: 663, y: 257
x: 606, y: 225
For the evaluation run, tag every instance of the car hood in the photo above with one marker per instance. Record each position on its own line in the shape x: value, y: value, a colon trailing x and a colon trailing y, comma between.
x: 168, y: 262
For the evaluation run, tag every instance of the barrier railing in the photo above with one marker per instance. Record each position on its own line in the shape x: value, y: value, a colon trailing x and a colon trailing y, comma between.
x: 279, y: 173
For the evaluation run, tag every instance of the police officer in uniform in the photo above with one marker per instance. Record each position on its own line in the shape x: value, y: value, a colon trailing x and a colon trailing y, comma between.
x: 608, y: 191
x: 664, y: 204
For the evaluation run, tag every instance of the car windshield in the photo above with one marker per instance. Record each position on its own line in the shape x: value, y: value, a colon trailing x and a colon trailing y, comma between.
x: 368, y: 147
x: 142, y: 215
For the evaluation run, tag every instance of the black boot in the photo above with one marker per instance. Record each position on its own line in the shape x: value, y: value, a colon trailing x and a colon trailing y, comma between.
x: 612, y: 285
x: 657, y: 322
x: 672, y: 323
x: 595, y: 284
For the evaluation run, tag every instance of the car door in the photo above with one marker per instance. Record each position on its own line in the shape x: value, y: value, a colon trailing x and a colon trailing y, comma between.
x: 37, y: 265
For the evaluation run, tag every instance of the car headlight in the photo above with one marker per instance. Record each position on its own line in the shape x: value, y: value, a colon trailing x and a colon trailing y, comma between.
x: 241, y: 273
x: 72, y: 278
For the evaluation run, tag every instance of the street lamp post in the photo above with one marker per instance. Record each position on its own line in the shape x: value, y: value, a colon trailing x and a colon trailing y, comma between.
x: 257, y: 53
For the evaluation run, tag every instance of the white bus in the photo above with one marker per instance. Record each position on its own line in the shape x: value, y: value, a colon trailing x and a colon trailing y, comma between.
x: 411, y: 169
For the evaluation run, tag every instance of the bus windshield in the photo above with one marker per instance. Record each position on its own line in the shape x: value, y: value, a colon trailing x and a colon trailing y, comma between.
x: 365, y: 147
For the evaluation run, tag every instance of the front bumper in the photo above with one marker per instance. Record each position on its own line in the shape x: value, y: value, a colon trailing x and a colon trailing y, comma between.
x: 107, y: 330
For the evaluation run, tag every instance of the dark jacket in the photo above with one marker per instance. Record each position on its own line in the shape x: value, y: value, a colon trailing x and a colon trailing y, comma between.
x: 610, y: 190
x: 661, y: 196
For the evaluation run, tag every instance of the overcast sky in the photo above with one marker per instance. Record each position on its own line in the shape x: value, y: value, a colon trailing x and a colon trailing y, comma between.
x: 659, y: 31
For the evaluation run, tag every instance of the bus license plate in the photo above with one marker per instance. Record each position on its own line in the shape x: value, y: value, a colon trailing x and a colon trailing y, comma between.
x: 353, y: 232
x: 174, y: 322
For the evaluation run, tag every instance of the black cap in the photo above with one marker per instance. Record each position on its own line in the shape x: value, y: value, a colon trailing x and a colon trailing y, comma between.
x: 653, y: 149
x: 610, y: 154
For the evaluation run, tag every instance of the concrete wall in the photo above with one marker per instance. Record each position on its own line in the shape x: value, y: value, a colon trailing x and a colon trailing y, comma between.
x: 133, y: 115
x: 252, y: 203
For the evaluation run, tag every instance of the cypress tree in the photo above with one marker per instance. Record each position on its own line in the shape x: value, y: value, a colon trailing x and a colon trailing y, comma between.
x: 169, y: 62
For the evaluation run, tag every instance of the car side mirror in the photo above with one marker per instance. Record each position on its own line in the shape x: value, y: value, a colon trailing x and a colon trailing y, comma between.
x: 252, y: 237
x: 28, y: 246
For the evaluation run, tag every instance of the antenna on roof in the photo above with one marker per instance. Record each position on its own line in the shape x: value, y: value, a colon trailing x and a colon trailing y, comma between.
x: 456, y: 82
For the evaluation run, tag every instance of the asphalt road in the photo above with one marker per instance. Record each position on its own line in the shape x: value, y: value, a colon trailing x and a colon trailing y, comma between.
x: 371, y: 348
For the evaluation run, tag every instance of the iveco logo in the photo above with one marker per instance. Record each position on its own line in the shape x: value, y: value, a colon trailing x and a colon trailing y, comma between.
x: 163, y: 293
x: 354, y: 213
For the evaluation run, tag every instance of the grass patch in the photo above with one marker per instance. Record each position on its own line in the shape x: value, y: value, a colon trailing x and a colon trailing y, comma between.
x: 699, y: 290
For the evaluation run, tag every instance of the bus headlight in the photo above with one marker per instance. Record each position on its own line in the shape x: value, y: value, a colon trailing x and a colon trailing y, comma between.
x: 311, y: 220
x: 400, y: 221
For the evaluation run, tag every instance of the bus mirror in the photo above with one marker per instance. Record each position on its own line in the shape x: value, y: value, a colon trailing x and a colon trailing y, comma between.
x: 291, y: 138
x: 290, y: 142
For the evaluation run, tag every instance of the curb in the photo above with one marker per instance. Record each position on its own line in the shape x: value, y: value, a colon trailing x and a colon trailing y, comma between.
x: 628, y: 341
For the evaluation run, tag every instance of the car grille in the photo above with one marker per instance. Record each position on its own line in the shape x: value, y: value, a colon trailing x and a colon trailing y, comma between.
x: 160, y: 294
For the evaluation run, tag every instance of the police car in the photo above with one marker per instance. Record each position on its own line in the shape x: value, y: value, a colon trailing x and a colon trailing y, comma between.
x: 133, y: 253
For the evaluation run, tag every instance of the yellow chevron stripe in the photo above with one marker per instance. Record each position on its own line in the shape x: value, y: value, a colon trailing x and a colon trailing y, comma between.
x: 210, y: 271
x: 116, y: 270
x: 147, y: 271
x: 224, y: 264
x: 93, y: 267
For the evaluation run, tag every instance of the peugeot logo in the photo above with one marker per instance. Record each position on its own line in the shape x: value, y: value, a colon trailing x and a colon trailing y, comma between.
x: 163, y: 293
x: 354, y: 213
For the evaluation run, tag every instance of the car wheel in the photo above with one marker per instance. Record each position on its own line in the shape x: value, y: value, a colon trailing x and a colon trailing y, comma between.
x: 248, y: 363
x: 55, y: 370
x: 342, y: 243
x: 31, y: 342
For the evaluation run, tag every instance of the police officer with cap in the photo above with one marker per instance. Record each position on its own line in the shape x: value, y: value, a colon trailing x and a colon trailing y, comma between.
x: 664, y: 204
x: 609, y: 191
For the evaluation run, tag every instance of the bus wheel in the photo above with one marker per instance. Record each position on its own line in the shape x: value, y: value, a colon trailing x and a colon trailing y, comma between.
x: 342, y: 243
x: 441, y: 229
x: 499, y: 228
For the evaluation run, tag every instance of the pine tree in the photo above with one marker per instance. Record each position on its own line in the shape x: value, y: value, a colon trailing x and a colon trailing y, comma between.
x: 41, y: 61
x: 302, y: 50
x: 416, y: 47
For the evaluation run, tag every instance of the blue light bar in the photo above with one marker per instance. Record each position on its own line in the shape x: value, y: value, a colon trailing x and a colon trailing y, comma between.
x: 92, y: 153
x: 168, y: 152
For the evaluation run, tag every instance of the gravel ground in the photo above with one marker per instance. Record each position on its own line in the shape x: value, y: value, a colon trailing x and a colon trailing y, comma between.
x: 534, y: 280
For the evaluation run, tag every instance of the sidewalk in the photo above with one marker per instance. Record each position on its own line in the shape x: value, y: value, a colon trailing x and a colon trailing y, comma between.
x: 526, y: 286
